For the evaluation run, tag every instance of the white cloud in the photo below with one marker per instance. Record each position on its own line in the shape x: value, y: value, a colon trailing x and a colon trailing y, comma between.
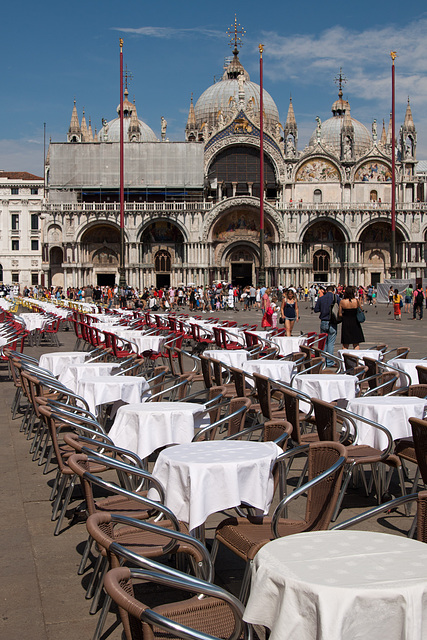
x: 170, y: 32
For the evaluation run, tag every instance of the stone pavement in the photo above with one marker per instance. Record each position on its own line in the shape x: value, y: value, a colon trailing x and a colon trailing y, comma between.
x: 41, y: 595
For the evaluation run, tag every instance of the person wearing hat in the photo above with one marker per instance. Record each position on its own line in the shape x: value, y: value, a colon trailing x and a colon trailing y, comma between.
x: 328, y: 319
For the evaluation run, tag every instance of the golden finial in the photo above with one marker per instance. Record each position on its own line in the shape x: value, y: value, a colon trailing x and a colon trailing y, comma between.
x: 235, y: 33
x: 393, y: 55
x: 121, y: 44
x: 261, y: 49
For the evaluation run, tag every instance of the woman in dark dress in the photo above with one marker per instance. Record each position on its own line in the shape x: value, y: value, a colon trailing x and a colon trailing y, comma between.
x: 351, y: 330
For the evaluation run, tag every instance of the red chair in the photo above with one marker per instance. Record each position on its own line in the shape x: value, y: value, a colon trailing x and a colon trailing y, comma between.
x: 228, y: 342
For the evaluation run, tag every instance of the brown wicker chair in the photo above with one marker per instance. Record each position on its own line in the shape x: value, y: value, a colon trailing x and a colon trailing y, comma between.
x: 217, y: 614
x: 232, y: 423
x: 329, y: 423
x: 245, y: 536
x: 266, y: 394
x: 422, y: 374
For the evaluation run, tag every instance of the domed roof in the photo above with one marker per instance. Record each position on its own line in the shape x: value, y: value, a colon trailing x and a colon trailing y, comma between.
x: 331, y: 129
x: 219, y: 97
x: 110, y: 131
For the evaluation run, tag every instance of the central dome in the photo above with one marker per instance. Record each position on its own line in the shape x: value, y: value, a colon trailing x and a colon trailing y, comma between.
x: 224, y: 95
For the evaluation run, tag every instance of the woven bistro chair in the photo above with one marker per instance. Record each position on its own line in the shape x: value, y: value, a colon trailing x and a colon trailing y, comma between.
x: 211, y: 613
x: 422, y: 374
x: 245, y: 536
x: 330, y: 421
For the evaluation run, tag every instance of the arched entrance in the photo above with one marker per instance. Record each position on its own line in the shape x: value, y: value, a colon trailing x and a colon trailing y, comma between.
x: 99, y: 251
x: 162, y: 246
x: 242, y: 262
x: 375, y: 250
x: 323, y: 247
x: 162, y: 265
x: 56, y: 272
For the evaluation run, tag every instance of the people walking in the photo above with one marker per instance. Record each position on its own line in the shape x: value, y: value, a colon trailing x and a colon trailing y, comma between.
x: 418, y: 303
x: 289, y: 310
x: 397, y: 305
x: 351, y: 330
x: 328, y: 319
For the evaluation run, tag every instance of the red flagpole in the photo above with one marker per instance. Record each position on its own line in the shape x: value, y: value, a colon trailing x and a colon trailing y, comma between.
x: 122, y: 279
x: 261, y: 276
x: 393, y: 174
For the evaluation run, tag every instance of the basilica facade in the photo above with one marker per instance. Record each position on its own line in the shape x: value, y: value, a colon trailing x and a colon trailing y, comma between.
x: 192, y: 207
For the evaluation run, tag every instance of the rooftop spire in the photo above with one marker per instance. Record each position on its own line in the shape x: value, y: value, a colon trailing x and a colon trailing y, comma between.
x: 383, y: 139
x: 90, y: 134
x: 85, y: 135
x: 235, y: 34
x: 191, y: 120
x: 74, y: 132
x: 389, y: 129
x: 409, y: 122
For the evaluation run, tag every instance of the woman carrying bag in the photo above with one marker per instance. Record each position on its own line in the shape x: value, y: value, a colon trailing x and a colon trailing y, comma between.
x: 349, y: 310
x: 267, y: 317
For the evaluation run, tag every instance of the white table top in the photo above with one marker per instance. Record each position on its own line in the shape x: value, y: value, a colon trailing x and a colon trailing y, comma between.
x: 409, y: 366
x: 326, y: 386
x: 202, y: 478
x: 143, y: 428
x: 233, y: 357
x: 142, y: 341
x: 340, y: 585
x: 391, y: 411
x: 280, y: 370
x: 70, y: 376
x: 98, y: 390
x: 362, y: 353
x: 287, y: 344
x: 57, y: 361
x: 33, y: 321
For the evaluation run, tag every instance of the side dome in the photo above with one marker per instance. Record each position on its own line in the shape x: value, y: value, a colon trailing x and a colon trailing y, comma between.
x: 340, y: 125
x: 233, y: 91
x: 134, y: 130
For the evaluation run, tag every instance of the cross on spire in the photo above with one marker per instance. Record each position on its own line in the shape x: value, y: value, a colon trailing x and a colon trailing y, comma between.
x: 340, y: 80
x: 236, y: 33
x: 128, y: 76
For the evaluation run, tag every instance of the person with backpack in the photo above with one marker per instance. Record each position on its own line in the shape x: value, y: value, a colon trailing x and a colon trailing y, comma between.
x: 418, y: 302
x: 326, y: 307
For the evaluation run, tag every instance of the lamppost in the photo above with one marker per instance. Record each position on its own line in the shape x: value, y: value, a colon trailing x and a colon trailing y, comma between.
x: 261, y: 275
x: 393, y: 177
x: 122, y: 277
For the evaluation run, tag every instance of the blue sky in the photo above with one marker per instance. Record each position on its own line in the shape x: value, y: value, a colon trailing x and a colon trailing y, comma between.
x: 53, y: 52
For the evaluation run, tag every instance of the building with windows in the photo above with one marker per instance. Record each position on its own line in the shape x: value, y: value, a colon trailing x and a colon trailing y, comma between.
x: 20, y: 223
x: 192, y: 207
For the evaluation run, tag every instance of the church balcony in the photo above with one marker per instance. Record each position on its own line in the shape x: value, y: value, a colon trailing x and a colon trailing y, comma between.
x: 100, y: 207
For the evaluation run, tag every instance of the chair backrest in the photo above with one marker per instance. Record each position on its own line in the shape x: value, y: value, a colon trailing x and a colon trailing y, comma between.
x: 326, y: 420
x: 206, y: 365
x: 419, y: 434
x: 292, y: 413
x: 417, y: 390
x: 422, y: 374
x: 350, y: 362
x: 264, y: 392
x: 373, y: 370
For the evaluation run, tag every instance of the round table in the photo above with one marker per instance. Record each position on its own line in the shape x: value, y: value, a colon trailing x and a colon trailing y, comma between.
x: 143, y: 428
x: 59, y: 360
x: 33, y: 321
x: 409, y: 366
x: 202, y: 478
x: 281, y: 370
x: 98, y: 390
x: 362, y: 353
x: 142, y: 341
x: 233, y: 357
x: 70, y: 376
x: 288, y: 344
x: 391, y: 411
x: 335, y: 585
x: 326, y: 386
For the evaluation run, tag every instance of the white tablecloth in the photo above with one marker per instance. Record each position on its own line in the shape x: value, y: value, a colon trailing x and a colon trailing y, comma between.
x: 143, y: 428
x: 75, y: 372
x: 326, y: 386
x: 280, y: 370
x: 107, y: 389
x: 391, y: 411
x: 202, y: 478
x: 409, y: 365
x: 288, y: 345
x: 59, y: 360
x: 362, y: 353
x: 233, y: 357
x: 340, y: 585
x: 142, y: 341
x: 33, y: 321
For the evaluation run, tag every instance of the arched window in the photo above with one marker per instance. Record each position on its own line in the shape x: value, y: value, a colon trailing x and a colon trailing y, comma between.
x: 373, y: 196
x: 321, y: 262
x: 162, y: 262
x: 317, y: 196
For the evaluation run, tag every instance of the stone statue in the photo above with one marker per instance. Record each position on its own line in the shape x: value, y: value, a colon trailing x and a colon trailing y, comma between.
x: 319, y: 129
x: 290, y: 147
x: 250, y: 108
x: 347, y: 149
x: 105, y: 125
x: 374, y: 130
x: 163, y: 127
x: 220, y: 119
x: 233, y: 106
x: 241, y: 82
x: 289, y: 171
x: 347, y: 173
